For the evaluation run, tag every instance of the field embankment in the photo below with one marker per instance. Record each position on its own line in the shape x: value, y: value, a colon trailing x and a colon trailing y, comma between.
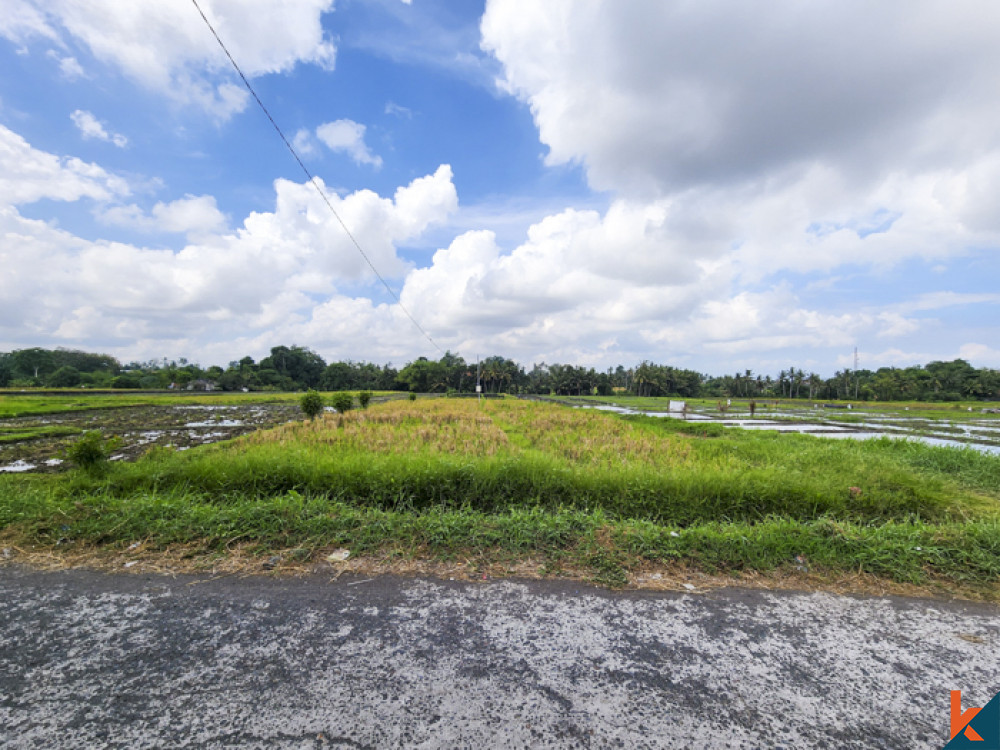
x: 498, y: 483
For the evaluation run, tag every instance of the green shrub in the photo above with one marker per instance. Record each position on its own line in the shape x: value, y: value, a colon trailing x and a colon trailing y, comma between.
x: 126, y: 381
x: 312, y: 404
x: 364, y: 398
x: 91, y: 452
x: 413, y: 396
x: 343, y: 402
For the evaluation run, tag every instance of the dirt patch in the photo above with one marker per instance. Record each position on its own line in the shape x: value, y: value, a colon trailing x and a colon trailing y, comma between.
x: 243, y: 561
x: 139, y: 427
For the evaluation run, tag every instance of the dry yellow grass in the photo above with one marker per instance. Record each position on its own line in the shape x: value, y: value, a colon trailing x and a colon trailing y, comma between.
x: 427, y: 426
x: 588, y: 438
x: 485, y: 565
x: 470, y: 428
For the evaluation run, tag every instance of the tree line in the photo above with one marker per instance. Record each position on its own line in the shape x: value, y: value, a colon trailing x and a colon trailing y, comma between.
x: 296, y: 368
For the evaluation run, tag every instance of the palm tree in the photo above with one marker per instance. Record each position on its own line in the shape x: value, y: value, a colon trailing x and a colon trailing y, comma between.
x: 814, y: 382
x: 797, y: 380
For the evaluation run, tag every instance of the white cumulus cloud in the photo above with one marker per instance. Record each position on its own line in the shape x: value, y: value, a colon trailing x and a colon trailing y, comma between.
x: 167, y: 47
x: 90, y: 127
x: 348, y: 137
x: 195, y: 216
x: 279, y: 273
x: 69, y: 67
x: 28, y: 175
x: 658, y: 95
x: 792, y: 137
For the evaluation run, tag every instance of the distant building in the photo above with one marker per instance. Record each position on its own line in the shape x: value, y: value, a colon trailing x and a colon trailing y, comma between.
x: 201, y: 385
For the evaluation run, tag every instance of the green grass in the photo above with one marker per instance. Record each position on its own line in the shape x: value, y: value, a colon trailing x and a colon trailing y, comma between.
x: 454, y: 478
x: 20, y: 434
x: 967, y: 467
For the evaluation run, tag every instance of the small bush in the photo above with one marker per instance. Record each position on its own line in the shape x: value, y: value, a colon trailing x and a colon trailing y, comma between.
x: 343, y: 402
x: 91, y: 452
x: 364, y: 398
x: 413, y: 396
x: 312, y: 404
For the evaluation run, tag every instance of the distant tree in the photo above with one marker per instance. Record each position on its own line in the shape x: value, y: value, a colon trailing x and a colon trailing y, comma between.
x: 303, y: 367
x: 339, y: 376
x: 379, y: 378
x: 424, y: 376
x: 231, y: 380
x: 96, y: 379
x: 6, y: 370
x: 64, y: 377
x: 128, y: 380
x: 32, y: 363
x: 814, y: 381
x: 456, y: 372
x: 538, y: 380
x: 84, y: 361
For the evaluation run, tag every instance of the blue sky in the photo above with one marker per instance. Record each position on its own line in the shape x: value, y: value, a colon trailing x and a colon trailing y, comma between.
x: 593, y: 183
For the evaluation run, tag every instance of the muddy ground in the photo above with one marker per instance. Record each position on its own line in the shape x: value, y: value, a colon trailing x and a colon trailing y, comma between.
x: 139, y: 427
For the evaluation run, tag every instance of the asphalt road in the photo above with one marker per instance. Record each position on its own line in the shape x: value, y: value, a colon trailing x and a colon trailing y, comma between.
x: 89, y: 660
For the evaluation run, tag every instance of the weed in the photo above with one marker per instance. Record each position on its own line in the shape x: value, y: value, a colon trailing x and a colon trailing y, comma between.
x: 92, y: 451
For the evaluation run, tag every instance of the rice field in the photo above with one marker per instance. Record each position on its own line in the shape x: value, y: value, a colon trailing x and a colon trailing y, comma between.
x: 448, y: 479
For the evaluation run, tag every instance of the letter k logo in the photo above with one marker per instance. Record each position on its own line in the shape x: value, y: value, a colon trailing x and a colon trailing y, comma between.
x: 960, y: 720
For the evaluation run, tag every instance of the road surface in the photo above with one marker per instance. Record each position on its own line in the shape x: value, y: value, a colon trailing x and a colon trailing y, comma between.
x: 90, y: 660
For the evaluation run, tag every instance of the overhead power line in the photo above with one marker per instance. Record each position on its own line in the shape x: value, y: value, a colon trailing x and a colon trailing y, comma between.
x: 312, y: 180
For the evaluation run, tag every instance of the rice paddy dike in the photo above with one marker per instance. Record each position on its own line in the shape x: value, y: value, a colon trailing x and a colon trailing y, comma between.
x: 508, y: 486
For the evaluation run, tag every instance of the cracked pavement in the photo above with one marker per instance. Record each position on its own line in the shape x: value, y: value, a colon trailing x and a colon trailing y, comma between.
x: 94, y: 660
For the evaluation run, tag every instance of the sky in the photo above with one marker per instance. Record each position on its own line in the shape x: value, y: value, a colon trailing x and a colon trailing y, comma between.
x: 717, y: 185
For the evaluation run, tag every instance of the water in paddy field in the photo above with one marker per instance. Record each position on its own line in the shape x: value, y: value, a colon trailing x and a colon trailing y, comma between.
x: 973, y: 432
x: 140, y: 428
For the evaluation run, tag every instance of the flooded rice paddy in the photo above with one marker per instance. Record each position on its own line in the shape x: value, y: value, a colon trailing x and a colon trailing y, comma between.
x: 139, y: 427
x: 953, y: 429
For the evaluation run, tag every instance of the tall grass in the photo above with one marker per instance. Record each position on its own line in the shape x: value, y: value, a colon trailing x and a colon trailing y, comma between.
x: 490, y: 458
x: 967, y: 467
x: 450, y: 475
x: 905, y: 551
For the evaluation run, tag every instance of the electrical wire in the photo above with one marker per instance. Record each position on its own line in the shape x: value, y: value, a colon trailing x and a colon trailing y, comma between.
x: 312, y: 179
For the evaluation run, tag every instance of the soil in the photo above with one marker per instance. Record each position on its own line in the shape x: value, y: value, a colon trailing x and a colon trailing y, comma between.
x: 140, y: 428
